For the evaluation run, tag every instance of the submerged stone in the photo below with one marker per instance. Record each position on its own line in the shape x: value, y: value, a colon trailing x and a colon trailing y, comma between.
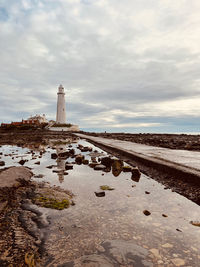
x: 100, y: 194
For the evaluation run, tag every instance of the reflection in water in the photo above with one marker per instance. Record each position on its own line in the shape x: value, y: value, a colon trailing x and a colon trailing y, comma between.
x: 167, y: 234
x: 60, y: 161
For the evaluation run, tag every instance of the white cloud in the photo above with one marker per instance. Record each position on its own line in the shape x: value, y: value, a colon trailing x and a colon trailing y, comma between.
x: 119, y: 60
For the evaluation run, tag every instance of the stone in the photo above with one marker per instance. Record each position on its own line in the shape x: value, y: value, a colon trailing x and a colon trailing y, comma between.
x: 117, y: 167
x: 37, y: 162
x: 146, y: 212
x: 107, y: 161
x: 99, y: 167
x: 126, y: 169
x: 164, y: 215
x: 22, y: 161
x: 155, y: 252
x: 147, y: 192
x: 167, y: 245
x: 65, y: 154
x: 135, y: 174
x: 178, y: 262
x: 68, y: 166
x: 85, y: 162
x: 195, y: 223
x: 79, y: 159
x: 92, y: 164
x: 100, y: 194
x: 54, y: 156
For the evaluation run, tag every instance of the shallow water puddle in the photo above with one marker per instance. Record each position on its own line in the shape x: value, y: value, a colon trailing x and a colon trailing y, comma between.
x: 166, y: 235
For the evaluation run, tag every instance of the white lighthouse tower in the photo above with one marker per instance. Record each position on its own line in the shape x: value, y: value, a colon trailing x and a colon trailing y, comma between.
x: 61, y: 109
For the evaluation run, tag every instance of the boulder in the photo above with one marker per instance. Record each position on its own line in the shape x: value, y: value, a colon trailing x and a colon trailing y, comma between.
x: 107, y: 161
x: 117, y: 167
x: 85, y: 161
x: 65, y: 154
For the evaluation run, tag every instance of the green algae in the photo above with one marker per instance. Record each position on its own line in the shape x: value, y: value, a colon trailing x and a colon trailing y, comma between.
x: 53, y: 203
x: 106, y: 187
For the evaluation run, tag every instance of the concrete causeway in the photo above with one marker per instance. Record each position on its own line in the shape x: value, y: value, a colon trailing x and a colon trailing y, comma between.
x: 179, y: 162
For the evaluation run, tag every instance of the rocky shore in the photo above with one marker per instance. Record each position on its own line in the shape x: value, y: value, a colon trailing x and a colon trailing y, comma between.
x: 22, y: 231
x: 172, y: 141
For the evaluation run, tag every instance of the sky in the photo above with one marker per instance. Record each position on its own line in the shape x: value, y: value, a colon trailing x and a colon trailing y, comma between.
x: 126, y: 65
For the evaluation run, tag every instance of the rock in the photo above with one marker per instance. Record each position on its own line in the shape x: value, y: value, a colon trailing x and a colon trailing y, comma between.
x: 100, y: 194
x: 135, y: 174
x: 178, y: 262
x: 164, y: 215
x: 92, y: 164
x: 107, y: 161
x: 147, y: 192
x: 65, y: 173
x: 10, y: 177
x: 155, y: 252
x: 93, y: 260
x: 117, y: 167
x: 85, y: 162
x: 39, y: 176
x: 167, y: 245
x: 195, y: 223
x: 37, y: 162
x: 93, y: 159
x: 50, y: 167
x: 65, y: 154
x: 99, y: 167
x: 22, y: 161
x: 146, y: 212
x: 79, y: 159
x: 68, y: 166
x: 72, y: 151
x: 126, y: 169
x: 54, y: 156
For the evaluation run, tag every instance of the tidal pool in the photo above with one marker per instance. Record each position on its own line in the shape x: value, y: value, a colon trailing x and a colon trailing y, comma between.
x: 166, y: 234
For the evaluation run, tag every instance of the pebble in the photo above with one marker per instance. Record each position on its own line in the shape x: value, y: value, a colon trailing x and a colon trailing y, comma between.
x: 155, y: 252
x: 178, y: 262
x: 167, y: 245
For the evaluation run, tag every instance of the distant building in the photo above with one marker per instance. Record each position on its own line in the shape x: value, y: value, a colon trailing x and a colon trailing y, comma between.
x: 33, y: 120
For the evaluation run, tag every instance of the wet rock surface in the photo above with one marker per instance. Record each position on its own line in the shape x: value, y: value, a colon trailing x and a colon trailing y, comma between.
x: 115, y: 253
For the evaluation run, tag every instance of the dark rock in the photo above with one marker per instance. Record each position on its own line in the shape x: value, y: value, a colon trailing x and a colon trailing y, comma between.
x: 164, y: 215
x: 37, y: 162
x: 147, y: 192
x: 79, y: 159
x: 107, y: 161
x: 92, y: 164
x: 68, y: 166
x: 127, y: 169
x: 100, y: 194
x: 54, y: 156
x: 22, y: 161
x: 99, y: 167
x: 65, y: 154
x: 85, y: 161
x: 146, y: 212
x: 39, y: 176
x: 136, y: 174
x: 2, y: 163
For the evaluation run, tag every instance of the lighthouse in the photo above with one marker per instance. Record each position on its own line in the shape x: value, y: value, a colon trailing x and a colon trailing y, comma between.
x: 61, y: 109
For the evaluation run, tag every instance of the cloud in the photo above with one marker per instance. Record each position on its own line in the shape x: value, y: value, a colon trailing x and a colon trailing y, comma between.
x: 128, y: 64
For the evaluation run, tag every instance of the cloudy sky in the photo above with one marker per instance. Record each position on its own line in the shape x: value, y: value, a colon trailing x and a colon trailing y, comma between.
x: 126, y: 65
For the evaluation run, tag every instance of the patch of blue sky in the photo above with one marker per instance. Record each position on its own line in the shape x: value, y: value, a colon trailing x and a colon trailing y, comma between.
x: 3, y: 14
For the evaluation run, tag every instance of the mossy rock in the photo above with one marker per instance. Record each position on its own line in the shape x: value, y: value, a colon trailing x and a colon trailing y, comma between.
x: 106, y: 187
x: 53, y: 203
